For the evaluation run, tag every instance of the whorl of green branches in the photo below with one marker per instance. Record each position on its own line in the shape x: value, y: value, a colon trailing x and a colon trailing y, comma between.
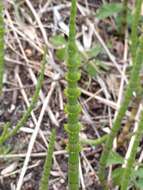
x: 134, y: 34
x: 2, y: 32
x: 48, y: 163
x: 73, y: 108
x: 6, y: 132
x: 138, y: 134
x: 132, y: 86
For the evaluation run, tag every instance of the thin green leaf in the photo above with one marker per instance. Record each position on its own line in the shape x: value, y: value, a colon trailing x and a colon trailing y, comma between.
x: 118, y: 20
x: 139, y: 173
x: 94, y: 67
x: 58, y: 40
x: 93, y: 52
x: 91, y: 69
x: 61, y: 54
x: 114, y: 158
x: 117, y: 175
x: 108, y: 10
x: 139, y: 184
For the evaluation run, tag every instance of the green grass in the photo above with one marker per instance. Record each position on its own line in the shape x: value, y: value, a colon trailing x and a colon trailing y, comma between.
x: 48, y: 163
x: 139, y: 132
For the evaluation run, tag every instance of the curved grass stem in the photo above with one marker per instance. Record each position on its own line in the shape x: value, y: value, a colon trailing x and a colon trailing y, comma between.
x: 94, y: 142
x: 48, y: 163
x: 131, y: 159
x: 123, y: 137
x: 134, y: 33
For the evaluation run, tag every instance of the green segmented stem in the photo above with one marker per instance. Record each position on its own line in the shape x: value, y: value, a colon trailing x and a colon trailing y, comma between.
x: 48, y: 163
x: 134, y: 34
x: 131, y: 159
x: 132, y: 86
x: 26, y: 115
x: 2, y: 32
x: 73, y: 108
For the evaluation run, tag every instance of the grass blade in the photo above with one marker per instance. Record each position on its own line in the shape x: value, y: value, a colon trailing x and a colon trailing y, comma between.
x: 48, y: 163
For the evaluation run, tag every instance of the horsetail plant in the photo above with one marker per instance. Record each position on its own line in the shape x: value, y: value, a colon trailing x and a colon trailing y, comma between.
x: 122, y: 110
x: 2, y: 32
x: 134, y: 34
x: 139, y: 132
x: 73, y: 108
x: 132, y: 86
x: 8, y: 134
x: 124, y: 135
x: 48, y: 163
x: 130, y: 162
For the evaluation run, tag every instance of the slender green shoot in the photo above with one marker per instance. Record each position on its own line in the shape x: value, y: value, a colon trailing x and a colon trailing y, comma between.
x: 124, y: 135
x: 94, y: 142
x: 132, y: 86
x: 8, y: 134
x: 131, y: 159
x: 2, y: 32
x: 73, y: 108
x: 134, y: 33
x: 48, y: 163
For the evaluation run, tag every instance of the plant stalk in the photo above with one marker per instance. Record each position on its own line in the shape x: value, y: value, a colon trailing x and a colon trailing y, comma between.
x: 131, y: 159
x: 94, y: 142
x: 123, y: 137
x: 48, y: 163
x: 73, y: 108
x: 132, y: 87
x: 134, y: 33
